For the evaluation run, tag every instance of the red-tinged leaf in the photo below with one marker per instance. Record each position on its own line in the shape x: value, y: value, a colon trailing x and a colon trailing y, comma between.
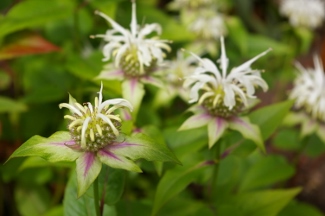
x: 31, y: 44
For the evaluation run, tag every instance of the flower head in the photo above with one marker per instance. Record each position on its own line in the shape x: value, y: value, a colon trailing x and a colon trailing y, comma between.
x: 135, y: 54
x: 220, y: 97
x: 94, y: 139
x: 94, y: 127
x: 222, y: 93
x: 306, y: 13
x: 208, y: 24
x: 309, y: 90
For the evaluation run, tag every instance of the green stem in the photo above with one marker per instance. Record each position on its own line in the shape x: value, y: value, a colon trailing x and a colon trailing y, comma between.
x: 96, y: 197
x: 215, y: 170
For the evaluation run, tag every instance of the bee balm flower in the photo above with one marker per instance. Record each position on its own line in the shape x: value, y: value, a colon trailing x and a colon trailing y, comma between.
x: 135, y: 57
x: 306, y: 13
x: 221, y: 96
x: 94, y: 139
x: 133, y: 53
x: 309, y: 96
x: 309, y: 90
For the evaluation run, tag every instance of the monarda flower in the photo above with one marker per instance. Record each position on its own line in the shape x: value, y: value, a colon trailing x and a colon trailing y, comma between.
x: 94, y: 138
x: 308, y: 94
x: 174, y: 75
x: 221, y: 96
x: 304, y: 13
x: 135, y: 56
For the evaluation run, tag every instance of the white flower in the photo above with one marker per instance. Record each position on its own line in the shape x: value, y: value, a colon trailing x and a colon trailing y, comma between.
x: 309, y: 90
x: 93, y: 127
x: 306, y: 13
x: 133, y: 52
x: 214, y: 89
x: 208, y: 25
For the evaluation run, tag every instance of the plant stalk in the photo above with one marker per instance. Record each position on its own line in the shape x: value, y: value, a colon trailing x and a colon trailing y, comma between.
x: 215, y: 170
x: 96, y: 197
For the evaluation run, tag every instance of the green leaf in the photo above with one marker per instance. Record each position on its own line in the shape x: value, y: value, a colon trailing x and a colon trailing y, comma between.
x: 153, y: 131
x: 306, y: 37
x: 111, y: 184
x: 287, y: 139
x: 248, y: 130
x: 85, y: 68
x: 237, y: 33
x: 83, y: 206
x: 186, y: 142
x: 133, y: 207
x: 259, y: 43
x: 171, y: 29
x: 34, y: 13
x: 107, y: 7
x: 300, y: 209
x: 266, y: 171
x: 270, y: 117
x: 185, y: 207
x: 174, y: 181
x: 55, y: 211
x: 266, y: 203
x: 141, y: 146
x: 11, y: 106
x: 32, y: 200
x: 51, y: 149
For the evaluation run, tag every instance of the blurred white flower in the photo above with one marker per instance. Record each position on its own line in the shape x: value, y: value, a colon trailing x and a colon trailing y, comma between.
x: 133, y: 52
x: 177, y: 70
x: 220, y: 92
x: 306, y: 13
x: 309, y: 90
x: 208, y: 24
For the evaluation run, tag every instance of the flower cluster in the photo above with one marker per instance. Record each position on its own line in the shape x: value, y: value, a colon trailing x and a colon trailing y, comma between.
x: 94, y: 127
x: 222, y: 93
x: 133, y: 53
x: 220, y: 97
x: 203, y: 19
x: 305, y: 13
x: 309, y: 90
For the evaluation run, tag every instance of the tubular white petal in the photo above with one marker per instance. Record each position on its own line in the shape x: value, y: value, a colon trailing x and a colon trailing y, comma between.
x: 90, y: 107
x: 205, y: 96
x: 92, y: 135
x: 134, y: 20
x: 114, y: 24
x: 108, y: 121
x: 117, y: 101
x: 83, y: 131
x: 71, y: 108
x: 114, y: 117
x: 80, y: 107
x: 69, y: 117
x: 100, y: 95
x: 76, y: 122
x: 223, y: 58
x: 247, y: 64
x: 99, y: 130
x: 216, y: 99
